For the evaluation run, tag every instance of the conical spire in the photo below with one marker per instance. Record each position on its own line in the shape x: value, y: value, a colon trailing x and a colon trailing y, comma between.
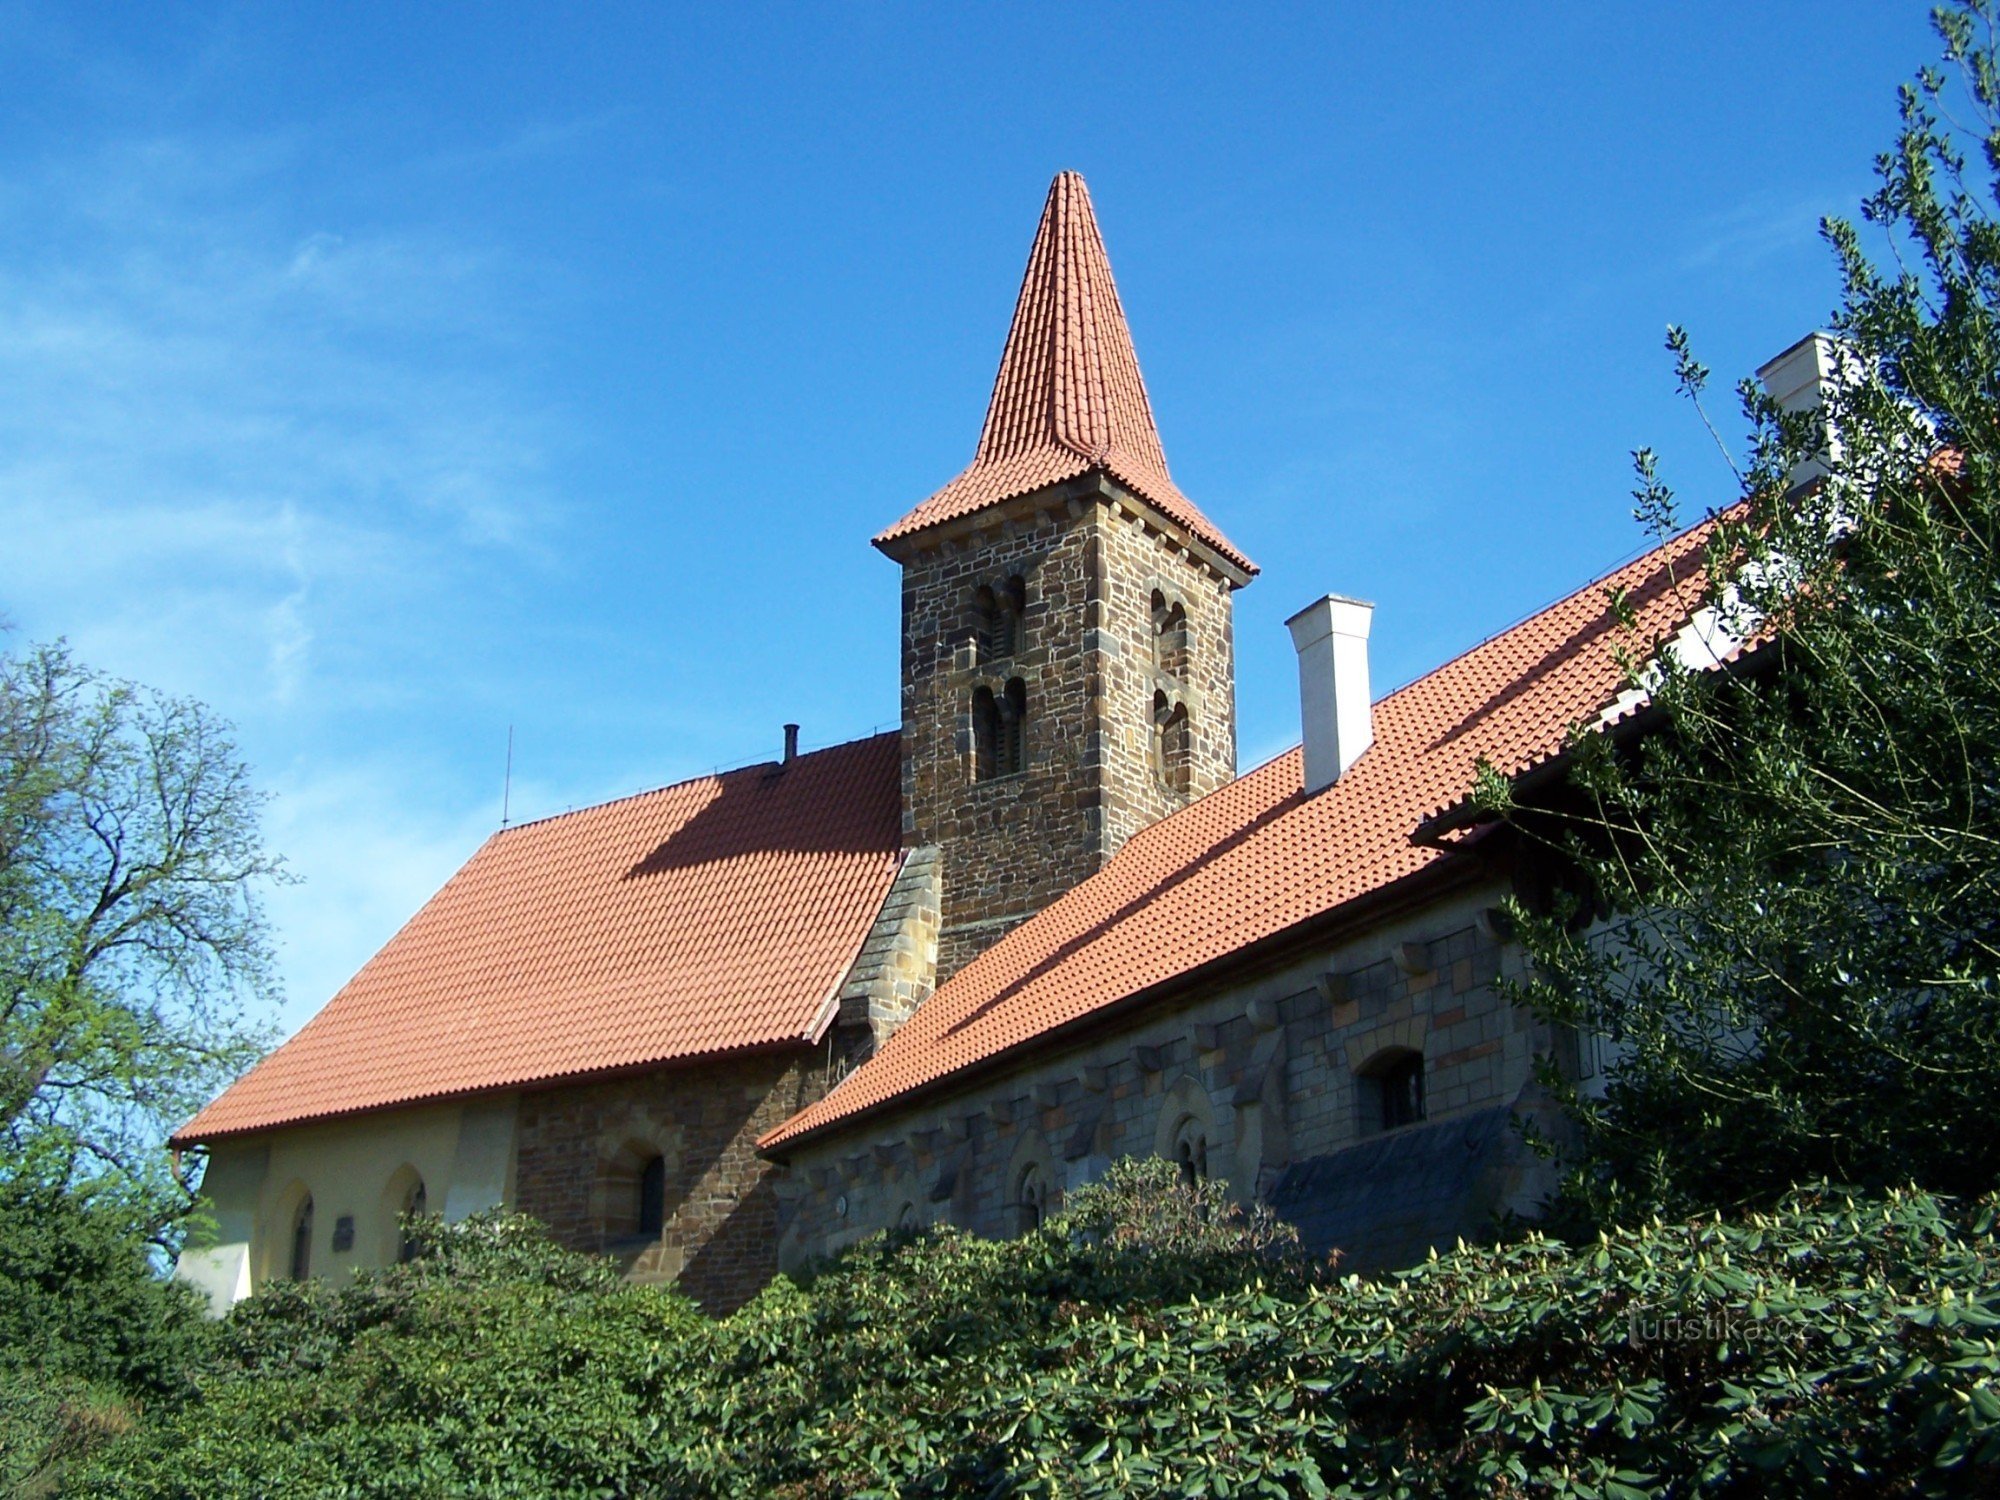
x: 1069, y: 397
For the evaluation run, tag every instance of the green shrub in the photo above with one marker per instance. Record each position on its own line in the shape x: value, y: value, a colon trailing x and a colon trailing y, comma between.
x: 79, y: 1295
x: 1144, y: 1341
x: 495, y: 1363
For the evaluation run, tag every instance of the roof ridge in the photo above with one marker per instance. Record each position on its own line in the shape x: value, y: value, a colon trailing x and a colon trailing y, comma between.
x: 715, y: 774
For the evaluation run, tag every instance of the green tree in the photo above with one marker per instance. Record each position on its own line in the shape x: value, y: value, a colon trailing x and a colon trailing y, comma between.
x: 131, y: 934
x: 1801, y: 867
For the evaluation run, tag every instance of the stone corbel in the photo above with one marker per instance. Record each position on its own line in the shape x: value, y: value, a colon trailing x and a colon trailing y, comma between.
x: 1083, y: 1140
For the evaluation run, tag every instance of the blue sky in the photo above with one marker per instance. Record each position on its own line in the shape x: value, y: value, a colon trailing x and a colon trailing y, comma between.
x: 388, y: 375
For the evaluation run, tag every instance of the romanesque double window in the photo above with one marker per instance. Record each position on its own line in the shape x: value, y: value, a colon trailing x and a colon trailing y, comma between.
x: 999, y: 730
x: 997, y: 616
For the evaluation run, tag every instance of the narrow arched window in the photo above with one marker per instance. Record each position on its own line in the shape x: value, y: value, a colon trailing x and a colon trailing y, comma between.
x: 1031, y: 1198
x: 1013, y: 754
x: 302, y: 1239
x: 1191, y: 1153
x: 414, y: 1207
x: 1173, y: 745
x: 986, y: 623
x: 997, y: 618
x: 652, y: 1205
x: 1170, y: 635
x: 985, y: 735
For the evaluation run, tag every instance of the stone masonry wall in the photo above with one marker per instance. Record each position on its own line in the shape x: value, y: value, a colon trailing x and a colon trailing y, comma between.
x: 1267, y: 1067
x: 1087, y: 657
x: 581, y: 1145
x: 897, y: 967
x: 1132, y: 562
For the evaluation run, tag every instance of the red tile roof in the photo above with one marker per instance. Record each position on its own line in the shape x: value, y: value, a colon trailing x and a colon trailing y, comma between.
x: 1069, y: 398
x: 713, y: 916
x: 1257, y: 858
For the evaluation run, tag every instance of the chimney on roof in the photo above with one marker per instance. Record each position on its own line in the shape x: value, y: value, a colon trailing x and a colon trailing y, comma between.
x: 791, y: 743
x: 1335, y: 710
x: 1799, y: 380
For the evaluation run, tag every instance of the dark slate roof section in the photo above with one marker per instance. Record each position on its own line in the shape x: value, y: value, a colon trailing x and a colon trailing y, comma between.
x: 1387, y: 1201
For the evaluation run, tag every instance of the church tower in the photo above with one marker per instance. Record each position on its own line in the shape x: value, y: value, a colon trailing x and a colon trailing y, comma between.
x: 1068, y: 663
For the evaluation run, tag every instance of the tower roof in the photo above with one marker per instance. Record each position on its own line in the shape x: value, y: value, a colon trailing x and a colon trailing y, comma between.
x: 1069, y: 398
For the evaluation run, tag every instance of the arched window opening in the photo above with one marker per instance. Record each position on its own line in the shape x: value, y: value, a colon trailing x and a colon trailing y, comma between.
x: 652, y: 1206
x: 1173, y: 745
x: 1170, y: 635
x: 997, y: 618
x: 415, y: 1205
x: 1013, y: 755
x: 1031, y: 1198
x: 300, y: 1264
x: 1191, y: 1153
x: 906, y: 1219
x: 985, y: 735
x: 1392, y: 1090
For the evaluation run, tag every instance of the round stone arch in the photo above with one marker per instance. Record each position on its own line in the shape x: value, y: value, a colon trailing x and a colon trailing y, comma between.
x: 1186, y: 1133
x: 623, y: 1153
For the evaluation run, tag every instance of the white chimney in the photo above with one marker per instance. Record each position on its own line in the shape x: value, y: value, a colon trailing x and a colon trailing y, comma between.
x: 1331, y: 636
x: 1799, y: 380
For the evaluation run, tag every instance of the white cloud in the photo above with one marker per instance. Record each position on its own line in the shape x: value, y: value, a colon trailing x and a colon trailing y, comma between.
x: 256, y: 460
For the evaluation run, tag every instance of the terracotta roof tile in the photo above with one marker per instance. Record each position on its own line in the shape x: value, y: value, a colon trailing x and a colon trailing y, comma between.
x: 1257, y: 857
x: 1069, y: 398
x: 712, y: 916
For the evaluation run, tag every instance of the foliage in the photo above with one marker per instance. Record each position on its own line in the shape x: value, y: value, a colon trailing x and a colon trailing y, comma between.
x: 1846, y: 1346
x: 130, y: 865
x: 89, y: 1334
x: 494, y: 1363
x: 1801, y: 974
x: 79, y: 1297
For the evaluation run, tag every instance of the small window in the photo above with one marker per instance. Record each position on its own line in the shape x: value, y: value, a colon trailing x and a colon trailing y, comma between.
x: 1014, y: 728
x: 1173, y: 745
x: 906, y: 1219
x: 415, y: 1206
x: 302, y: 1239
x: 1191, y: 1153
x: 1392, y: 1091
x: 997, y: 618
x: 653, y: 1197
x: 999, y: 730
x: 1031, y: 1199
x: 985, y: 734
x: 1170, y: 635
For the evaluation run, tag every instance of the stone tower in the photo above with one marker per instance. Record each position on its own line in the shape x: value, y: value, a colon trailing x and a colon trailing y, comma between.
x: 1068, y: 665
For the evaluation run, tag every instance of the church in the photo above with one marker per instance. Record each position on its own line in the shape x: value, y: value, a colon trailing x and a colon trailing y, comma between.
x: 948, y: 973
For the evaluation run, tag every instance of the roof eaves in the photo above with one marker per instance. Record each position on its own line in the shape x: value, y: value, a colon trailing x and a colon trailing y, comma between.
x: 1370, y: 905
x: 180, y: 1140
